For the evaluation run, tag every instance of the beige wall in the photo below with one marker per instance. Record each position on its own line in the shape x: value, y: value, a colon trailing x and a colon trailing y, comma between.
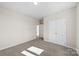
x: 70, y: 16
x: 41, y: 30
x: 15, y: 28
x: 78, y: 27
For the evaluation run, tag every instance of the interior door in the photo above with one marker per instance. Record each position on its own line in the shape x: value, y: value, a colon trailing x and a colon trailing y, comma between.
x: 57, y: 32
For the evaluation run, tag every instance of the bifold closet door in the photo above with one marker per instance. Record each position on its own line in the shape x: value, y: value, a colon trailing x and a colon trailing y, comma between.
x: 57, y: 31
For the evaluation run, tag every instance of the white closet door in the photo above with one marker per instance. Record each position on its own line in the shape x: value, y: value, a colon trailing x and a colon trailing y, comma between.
x: 57, y: 32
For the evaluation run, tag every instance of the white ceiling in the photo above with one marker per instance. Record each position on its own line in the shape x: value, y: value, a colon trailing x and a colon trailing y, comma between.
x: 40, y: 10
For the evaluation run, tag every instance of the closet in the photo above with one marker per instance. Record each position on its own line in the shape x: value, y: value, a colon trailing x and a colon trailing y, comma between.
x: 57, y: 31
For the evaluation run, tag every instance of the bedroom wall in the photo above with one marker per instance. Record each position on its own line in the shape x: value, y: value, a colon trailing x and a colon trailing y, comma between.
x: 15, y: 28
x: 77, y: 28
x: 70, y: 16
x: 41, y: 28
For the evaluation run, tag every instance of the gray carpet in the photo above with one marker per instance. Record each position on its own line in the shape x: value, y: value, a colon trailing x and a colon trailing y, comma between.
x: 50, y: 49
